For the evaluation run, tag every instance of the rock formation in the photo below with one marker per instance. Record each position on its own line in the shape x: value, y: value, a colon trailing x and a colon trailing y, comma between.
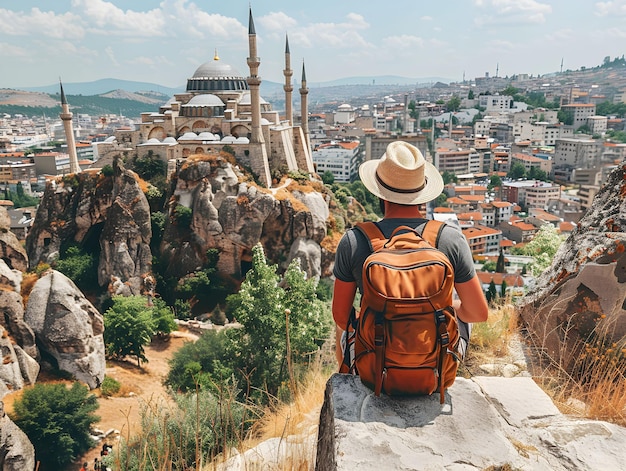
x: 486, y: 423
x: 11, y: 250
x: 232, y: 214
x: 94, y: 210
x: 579, y: 300
x: 16, y: 451
x: 67, y: 327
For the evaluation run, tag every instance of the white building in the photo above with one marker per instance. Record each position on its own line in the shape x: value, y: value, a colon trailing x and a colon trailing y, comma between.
x: 339, y: 158
x: 584, y: 153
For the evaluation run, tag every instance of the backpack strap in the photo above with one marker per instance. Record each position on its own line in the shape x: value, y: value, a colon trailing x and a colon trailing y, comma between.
x: 431, y: 232
x: 373, y: 234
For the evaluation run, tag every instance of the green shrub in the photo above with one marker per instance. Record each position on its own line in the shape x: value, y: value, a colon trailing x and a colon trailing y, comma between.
x: 57, y: 421
x: 110, y: 386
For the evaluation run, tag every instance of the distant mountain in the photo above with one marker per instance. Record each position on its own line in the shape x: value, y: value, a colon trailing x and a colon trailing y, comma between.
x: 102, y: 86
x: 380, y: 80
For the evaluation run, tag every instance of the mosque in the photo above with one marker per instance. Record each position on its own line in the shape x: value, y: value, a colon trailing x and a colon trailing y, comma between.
x: 220, y: 107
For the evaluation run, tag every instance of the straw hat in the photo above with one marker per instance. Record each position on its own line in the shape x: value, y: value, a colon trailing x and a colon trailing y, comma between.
x: 402, y: 175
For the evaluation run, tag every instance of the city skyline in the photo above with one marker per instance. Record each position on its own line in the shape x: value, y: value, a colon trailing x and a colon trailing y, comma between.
x: 164, y: 42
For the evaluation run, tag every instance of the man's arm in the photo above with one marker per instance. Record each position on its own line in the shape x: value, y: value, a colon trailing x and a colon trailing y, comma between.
x: 472, y: 304
x: 343, y: 298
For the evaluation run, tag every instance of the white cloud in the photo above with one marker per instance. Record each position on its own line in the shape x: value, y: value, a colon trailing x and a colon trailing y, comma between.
x: 111, y: 55
x: 613, y: 8
x: 404, y: 41
x: 336, y: 35
x: 512, y: 12
x: 107, y: 18
x: 277, y: 22
x: 186, y: 18
x: 46, y: 23
x: 11, y: 50
x: 426, y: 18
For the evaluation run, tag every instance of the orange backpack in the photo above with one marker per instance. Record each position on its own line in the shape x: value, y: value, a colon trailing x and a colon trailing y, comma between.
x: 406, y: 333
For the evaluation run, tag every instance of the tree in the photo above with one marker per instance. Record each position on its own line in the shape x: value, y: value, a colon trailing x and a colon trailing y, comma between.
x: 163, y: 317
x: 489, y: 266
x: 503, y: 289
x: 57, y: 420
x: 491, y: 294
x: 257, y: 354
x: 536, y: 173
x: 470, y: 95
x: 128, y: 327
x: 453, y: 104
x: 500, y: 263
x: 494, y: 181
x: 80, y: 267
x: 517, y: 171
x: 328, y: 177
x: 449, y: 177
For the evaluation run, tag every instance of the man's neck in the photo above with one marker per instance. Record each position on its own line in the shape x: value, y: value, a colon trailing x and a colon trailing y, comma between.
x: 396, y: 211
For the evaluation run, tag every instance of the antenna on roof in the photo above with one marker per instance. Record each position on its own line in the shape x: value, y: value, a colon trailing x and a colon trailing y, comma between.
x: 497, y: 68
x: 561, y: 65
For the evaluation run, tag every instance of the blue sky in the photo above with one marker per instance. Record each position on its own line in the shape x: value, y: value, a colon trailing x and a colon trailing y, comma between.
x: 165, y: 41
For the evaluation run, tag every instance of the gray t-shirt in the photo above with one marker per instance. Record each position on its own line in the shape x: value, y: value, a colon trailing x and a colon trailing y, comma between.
x: 353, y: 249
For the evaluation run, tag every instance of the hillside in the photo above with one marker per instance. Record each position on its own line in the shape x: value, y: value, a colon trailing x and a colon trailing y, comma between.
x: 113, y: 102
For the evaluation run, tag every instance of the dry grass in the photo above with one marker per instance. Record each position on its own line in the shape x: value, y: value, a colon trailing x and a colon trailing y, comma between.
x: 596, y: 380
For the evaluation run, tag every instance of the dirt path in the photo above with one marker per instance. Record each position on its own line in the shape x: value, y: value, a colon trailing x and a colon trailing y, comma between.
x: 138, y: 387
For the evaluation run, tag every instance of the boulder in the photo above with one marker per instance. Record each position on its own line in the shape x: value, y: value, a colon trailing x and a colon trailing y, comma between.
x: 10, y: 374
x: 67, y: 327
x: 16, y: 451
x: 580, y: 298
x: 485, y: 423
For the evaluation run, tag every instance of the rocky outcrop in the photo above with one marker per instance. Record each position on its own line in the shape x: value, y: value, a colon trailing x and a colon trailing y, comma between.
x: 232, y: 214
x: 16, y: 367
x: 11, y: 249
x: 485, y: 423
x: 579, y: 300
x: 67, y: 327
x: 16, y: 451
x: 106, y: 213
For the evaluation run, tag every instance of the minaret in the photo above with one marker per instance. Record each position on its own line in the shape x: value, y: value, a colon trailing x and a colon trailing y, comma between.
x: 258, y: 151
x: 66, y: 117
x: 304, y: 108
x: 288, y: 87
x: 254, y: 82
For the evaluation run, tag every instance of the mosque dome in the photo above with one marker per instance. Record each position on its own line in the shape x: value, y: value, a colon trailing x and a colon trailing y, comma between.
x: 214, y: 76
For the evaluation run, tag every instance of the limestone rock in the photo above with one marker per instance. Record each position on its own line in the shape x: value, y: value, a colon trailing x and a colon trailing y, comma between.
x: 10, y: 374
x: 233, y: 215
x: 16, y: 451
x: 67, y: 327
x: 582, y: 294
x: 89, y: 208
x: 486, y: 423
x: 11, y: 249
x: 13, y: 321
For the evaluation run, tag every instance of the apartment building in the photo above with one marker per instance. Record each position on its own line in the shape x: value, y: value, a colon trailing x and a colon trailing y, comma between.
x: 339, y: 158
x: 530, y: 161
x: 492, y: 214
x: 597, y: 124
x: 52, y: 163
x: 376, y: 145
x: 483, y: 239
x: 458, y: 161
x: 517, y: 231
x: 495, y: 103
x: 577, y: 153
x: 552, y: 132
x: 579, y: 112
x: 531, y: 193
